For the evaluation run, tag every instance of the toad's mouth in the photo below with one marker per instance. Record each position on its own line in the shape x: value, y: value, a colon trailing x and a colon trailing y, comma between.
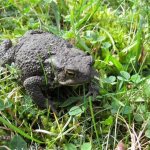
x: 72, y: 82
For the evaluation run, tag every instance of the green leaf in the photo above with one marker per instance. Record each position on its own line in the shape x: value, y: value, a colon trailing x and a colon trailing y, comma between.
x: 86, y: 146
x: 127, y: 110
x: 83, y: 44
x: 136, y: 78
x: 148, y: 121
x: 101, y: 38
x: 110, y: 37
x: 120, y: 85
x: 140, y: 99
x: 142, y: 108
x: 125, y: 74
x: 116, y: 105
x: 117, y: 64
x: 117, y: 101
x: 106, y: 45
x: 34, y: 1
x: 70, y: 101
x: 76, y: 110
x: 110, y: 79
x: 48, y: 1
x: 70, y: 146
x: 120, y: 78
x: 18, y: 143
x: 146, y: 88
x: 147, y: 133
x: 3, y: 105
x: 138, y: 117
x: 56, y: 13
x: 91, y: 35
x: 109, y: 121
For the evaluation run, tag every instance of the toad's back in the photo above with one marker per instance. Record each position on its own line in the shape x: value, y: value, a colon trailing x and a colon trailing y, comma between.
x: 34, y: 48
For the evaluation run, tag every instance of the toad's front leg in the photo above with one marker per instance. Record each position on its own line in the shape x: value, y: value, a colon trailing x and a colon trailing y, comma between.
x: 34, y: 85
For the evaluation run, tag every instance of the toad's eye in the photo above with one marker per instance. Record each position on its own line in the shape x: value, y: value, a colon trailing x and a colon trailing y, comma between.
x: 70, y: 73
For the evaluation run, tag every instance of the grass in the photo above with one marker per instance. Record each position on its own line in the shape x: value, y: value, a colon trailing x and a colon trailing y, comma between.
x: 116, y: 34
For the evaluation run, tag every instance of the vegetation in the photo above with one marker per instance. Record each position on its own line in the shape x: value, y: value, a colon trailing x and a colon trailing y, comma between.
x: 116, y: 34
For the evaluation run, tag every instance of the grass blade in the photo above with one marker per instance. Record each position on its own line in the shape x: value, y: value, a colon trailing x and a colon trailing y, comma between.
x: 15, y: 129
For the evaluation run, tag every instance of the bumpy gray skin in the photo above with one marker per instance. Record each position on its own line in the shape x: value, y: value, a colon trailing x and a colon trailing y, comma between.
x: 46, y: 60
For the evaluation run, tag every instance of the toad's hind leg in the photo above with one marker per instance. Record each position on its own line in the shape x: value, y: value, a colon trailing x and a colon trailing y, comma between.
x: 33, y: 86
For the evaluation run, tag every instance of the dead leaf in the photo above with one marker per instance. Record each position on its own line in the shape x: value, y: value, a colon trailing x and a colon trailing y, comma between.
x: 120, y: 146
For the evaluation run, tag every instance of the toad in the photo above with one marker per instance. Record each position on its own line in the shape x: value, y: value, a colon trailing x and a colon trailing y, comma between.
x: 46, y: 60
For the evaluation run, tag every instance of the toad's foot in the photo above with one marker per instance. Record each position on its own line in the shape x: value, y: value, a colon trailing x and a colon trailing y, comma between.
x: 33, y: 86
